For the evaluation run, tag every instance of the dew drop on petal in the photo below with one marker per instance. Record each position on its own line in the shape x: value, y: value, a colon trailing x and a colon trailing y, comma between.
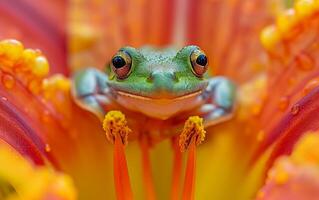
x: 4, y: 98
x: 47, y: 148
x: 295, y: 109
x: 269, y: 37
x: 8, y: 81
x: 304, y: 8
x: 310, y: 86
x: 11, y: 50
x: 286, y: 20
x: 41, y: 66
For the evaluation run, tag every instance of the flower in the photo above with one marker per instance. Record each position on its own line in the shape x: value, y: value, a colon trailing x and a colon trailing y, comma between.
x: 52, y: 149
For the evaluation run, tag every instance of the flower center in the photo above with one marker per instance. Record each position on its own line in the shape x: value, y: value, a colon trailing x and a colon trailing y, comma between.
x: 115, y: 126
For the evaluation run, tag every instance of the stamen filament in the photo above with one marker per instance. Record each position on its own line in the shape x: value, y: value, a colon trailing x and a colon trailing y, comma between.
x: 147, y: 172
x: 121, y: 176
x: 193, y: 134
x: 177, y: 170
x: 117, y: 131
x: 190, y: 174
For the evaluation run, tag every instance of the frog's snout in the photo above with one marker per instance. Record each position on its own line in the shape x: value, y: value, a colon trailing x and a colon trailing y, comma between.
x: 162, y: 78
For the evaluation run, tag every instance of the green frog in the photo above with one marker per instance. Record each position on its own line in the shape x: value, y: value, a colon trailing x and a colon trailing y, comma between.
x: 157, y: 89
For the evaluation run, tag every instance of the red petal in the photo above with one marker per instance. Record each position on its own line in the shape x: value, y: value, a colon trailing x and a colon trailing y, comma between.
x: 38, y: 24
x: 292, y: 126
x: 290, y: 108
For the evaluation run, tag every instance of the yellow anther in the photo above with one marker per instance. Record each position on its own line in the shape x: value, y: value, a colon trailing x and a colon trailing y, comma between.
x: 40, y: 67
x: 286, y: 20
x: 305, y: 8
x: 193, y: 130
x: 114, y: 125
x: 11, y: 50
x: 269, y: 37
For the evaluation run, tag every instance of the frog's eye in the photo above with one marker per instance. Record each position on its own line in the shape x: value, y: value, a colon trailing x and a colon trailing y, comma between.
x: 121, y: 64
x: 199, y: 62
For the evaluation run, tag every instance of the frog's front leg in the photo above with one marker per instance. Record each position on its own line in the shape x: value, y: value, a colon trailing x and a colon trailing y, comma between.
x: 219, y: 98
x: 91, y: 92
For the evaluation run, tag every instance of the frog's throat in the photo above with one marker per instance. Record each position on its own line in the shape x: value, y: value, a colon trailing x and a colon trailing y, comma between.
x: 159, y: 108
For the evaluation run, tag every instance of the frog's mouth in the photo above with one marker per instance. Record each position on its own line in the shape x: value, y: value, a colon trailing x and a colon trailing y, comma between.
x: 164, y: 98
x: 151, y: 92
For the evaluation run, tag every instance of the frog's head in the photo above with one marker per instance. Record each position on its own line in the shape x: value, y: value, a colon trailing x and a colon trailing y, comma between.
x: 164, y: 75
x: 158, y: 74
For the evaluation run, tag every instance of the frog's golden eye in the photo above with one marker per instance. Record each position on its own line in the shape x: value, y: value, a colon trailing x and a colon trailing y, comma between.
x: 121, y: 64
x: 199, y: 62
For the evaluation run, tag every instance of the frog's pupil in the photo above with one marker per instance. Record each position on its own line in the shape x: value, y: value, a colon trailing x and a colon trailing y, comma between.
x: 201, y: 60
x: 118, y: 62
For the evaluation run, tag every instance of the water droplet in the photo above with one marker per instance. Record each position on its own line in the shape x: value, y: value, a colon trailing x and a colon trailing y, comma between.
x: 12, y: 50
x: 295, y: 109
x: 41, y: 66
x: 269, y: 37
x: 4, y: 98
x: 8, y: 81
x: 283, y: 103
x: 47, y: 148
x: 310, y: 86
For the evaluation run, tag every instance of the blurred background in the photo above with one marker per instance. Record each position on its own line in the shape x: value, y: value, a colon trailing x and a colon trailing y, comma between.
x: 80, y: 33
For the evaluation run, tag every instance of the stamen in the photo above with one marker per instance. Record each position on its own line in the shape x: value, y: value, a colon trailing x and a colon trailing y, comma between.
x: 147, y: 172
x: 193, y: 134
x: 115, y: 126
x: 177, y: 170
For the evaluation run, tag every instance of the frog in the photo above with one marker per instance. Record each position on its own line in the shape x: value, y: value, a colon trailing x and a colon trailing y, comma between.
x: 156, y: 89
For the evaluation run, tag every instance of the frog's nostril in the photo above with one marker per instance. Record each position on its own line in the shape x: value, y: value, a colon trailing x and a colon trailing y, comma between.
x: 150, y: 78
